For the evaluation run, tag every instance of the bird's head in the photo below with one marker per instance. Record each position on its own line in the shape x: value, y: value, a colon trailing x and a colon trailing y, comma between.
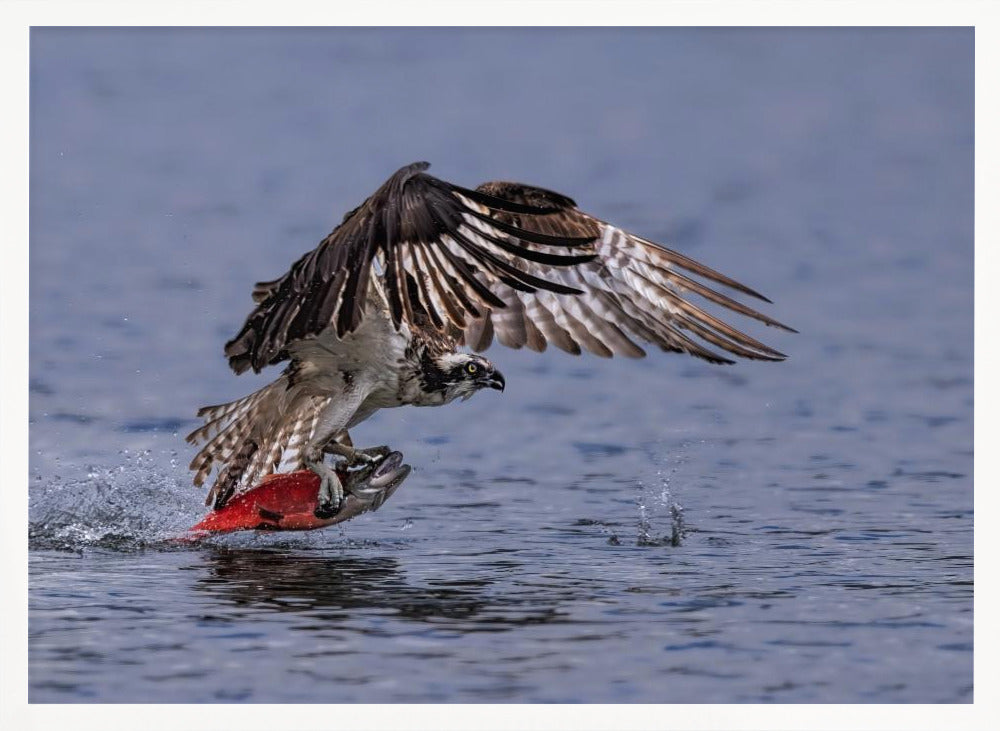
x: 459, y: 375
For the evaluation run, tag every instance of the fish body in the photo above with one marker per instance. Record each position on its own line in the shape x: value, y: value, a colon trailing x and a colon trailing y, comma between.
x: 289, y: 501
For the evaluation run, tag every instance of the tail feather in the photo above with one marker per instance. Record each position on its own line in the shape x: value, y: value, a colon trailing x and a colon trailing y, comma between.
x: 286, y: 450
x: 218, y: 416
x: 230, y: 423
x: 251, y: 437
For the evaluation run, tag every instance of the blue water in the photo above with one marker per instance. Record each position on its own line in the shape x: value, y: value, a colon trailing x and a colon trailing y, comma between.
x: 660, y: 530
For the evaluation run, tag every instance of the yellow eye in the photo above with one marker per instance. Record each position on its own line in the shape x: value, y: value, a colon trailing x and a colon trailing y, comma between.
x: 472, y: 368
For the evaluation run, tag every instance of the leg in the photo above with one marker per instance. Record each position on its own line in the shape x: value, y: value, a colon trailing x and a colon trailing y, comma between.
x: 328, y: 427
x: 369, y: 487
x: 360, y: 490
x: 342, y: 446
x: 331, y: 491
x: 372, y: 480
x: 377, y: 453
x: 343, y: 436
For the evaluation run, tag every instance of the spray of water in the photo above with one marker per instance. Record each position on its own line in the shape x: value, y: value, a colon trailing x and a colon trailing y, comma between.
x: 145, y: 501
x: 656, y: 502
x: 139, y: 502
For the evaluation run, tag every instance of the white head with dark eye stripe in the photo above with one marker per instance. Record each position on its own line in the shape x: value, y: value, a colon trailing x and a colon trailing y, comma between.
x: 459, y: 375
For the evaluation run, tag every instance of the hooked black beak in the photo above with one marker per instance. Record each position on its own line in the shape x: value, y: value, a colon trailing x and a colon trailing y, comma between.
x: 496, y: 380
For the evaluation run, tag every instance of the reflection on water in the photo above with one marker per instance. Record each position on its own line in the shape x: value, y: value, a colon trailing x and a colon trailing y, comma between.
x: 315, y: 585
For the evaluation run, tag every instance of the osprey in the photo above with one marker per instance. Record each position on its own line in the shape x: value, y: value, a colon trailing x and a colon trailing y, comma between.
x: 375, y: 315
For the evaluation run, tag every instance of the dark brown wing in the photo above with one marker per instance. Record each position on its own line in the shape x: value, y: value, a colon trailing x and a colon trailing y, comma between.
x: 428, y: 243
x: 512, y: 261
x: 633, y: 289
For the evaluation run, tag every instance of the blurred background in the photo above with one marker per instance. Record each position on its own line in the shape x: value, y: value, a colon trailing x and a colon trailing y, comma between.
x: 788, y: 532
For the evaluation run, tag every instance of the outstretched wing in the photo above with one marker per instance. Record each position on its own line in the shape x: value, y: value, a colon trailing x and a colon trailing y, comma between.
x: 435, y: 248
x: 506, y: 259
x: 634, y: 289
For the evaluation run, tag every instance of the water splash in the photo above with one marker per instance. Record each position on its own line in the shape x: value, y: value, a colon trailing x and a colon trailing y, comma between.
x: 144, y: 502
x: 653, y: 506
x: 126, y: 507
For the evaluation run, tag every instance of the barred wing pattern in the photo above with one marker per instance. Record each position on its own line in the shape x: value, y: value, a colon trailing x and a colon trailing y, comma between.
x: 512, y: 261
x: 634, y: 289
x: 415, y: 235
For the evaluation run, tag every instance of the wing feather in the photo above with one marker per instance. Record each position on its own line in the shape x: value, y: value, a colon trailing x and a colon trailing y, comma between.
x: 632, y: 289
x: 507, y: 261
x: 509, y: 324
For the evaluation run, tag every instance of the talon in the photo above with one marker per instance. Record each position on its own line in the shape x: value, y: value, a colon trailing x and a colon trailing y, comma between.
x: 368, y: 456
x: 380, y: 452
x: 325, y: 512
x: 331, y: 491
x: 354, y: 457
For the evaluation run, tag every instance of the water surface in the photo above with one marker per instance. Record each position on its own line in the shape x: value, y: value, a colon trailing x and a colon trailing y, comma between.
x: 604, y: 531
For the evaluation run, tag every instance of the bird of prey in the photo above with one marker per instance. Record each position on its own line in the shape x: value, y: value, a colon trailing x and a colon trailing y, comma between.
x: 376, y: 314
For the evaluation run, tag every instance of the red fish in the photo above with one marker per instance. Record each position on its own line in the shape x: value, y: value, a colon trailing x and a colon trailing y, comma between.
x: 288, y: 501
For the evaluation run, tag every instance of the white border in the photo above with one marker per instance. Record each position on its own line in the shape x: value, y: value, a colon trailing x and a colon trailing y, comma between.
x: 16, y: 16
